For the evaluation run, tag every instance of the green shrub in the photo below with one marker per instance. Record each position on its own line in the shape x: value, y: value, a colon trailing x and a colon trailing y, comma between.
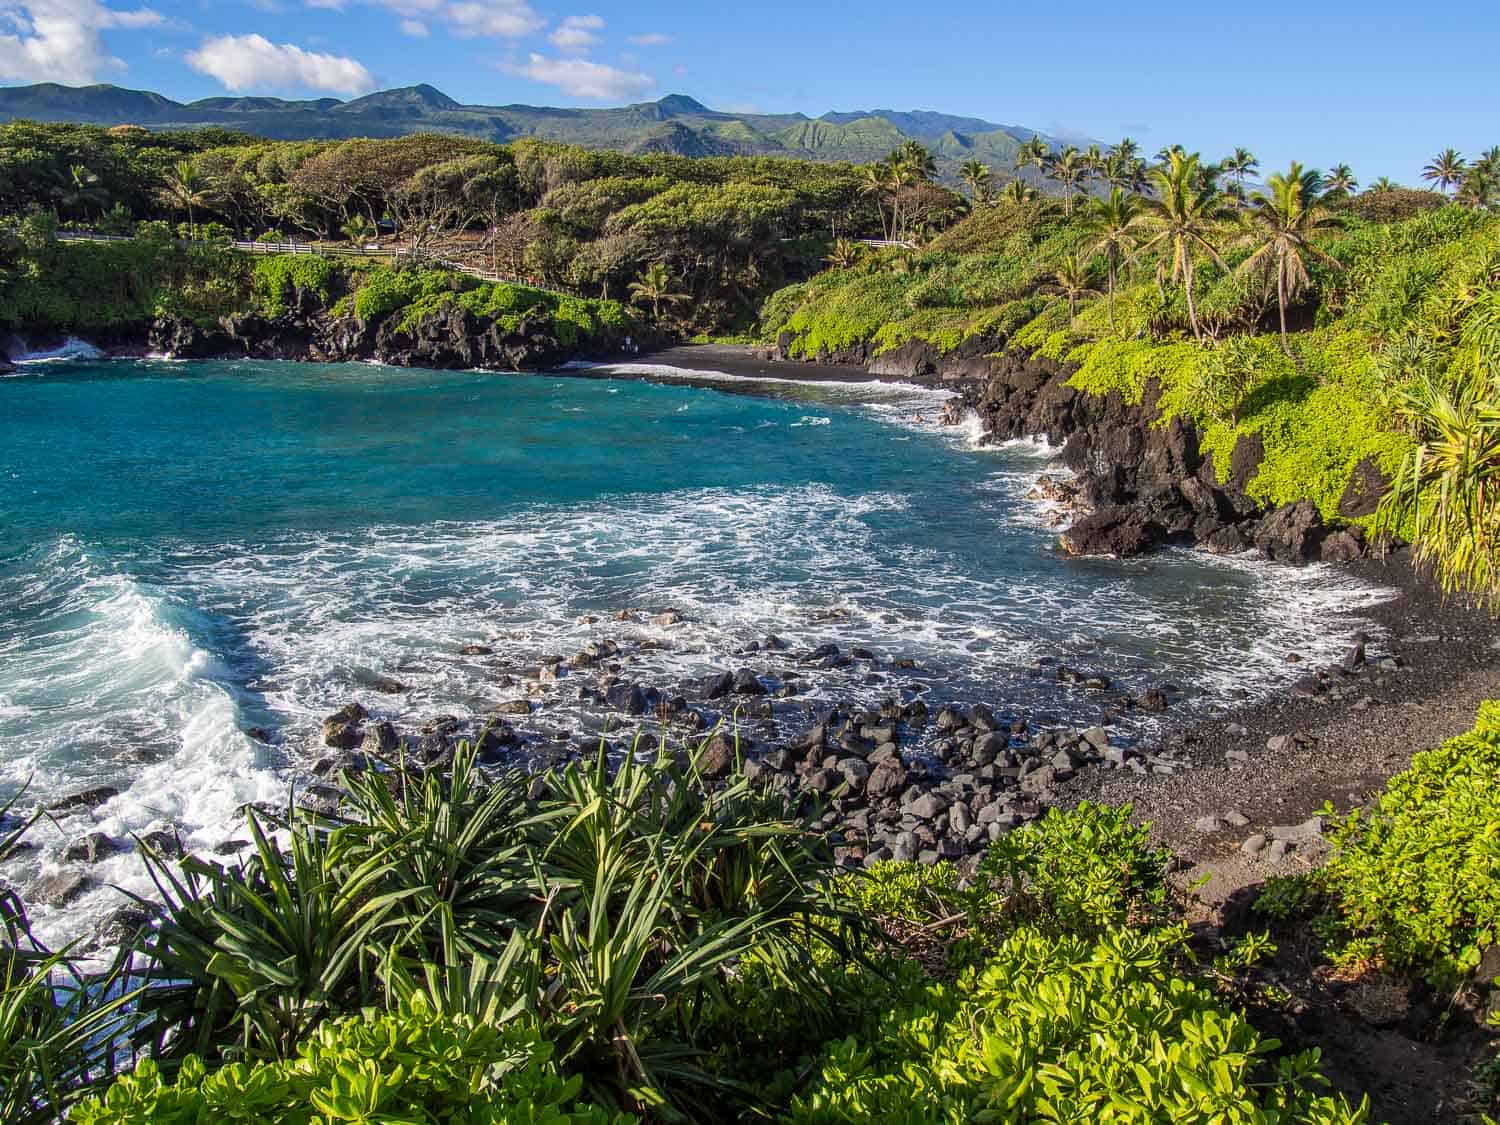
x: 1416, y: 878
x: 276, y: 278
x: 414, y: 1065
x: 385, y: 290
x: 1066, y: 1028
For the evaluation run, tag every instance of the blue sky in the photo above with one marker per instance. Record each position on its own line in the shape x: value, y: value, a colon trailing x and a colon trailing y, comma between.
x: 1378, y: 84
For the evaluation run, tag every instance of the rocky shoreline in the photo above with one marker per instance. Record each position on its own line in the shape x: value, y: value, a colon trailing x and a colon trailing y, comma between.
x: 921, y: 775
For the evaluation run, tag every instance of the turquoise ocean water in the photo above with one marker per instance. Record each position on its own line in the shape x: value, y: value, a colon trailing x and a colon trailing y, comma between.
x: 189, y: 550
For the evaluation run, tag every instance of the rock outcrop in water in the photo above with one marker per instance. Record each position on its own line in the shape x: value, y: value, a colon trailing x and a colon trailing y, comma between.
x: 1140, y: 484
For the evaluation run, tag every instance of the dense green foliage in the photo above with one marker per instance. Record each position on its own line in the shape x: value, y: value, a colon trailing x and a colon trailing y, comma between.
x: 1389, y: 308
x: 728, y: 229
x: 102, y: 286
x: 1067, y: 1028
x: 87, y: 287
x: 471, y: 950
x: 413, y: 1065
x: 1415, y: 878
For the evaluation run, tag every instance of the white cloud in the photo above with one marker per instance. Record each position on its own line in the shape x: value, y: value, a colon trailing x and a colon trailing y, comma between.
x: 651, y: 39
x: 415, y: 28
x: 252, y: 62
x: 60, y: 41
x: 585, y: 79
x: 503, y: 19
x: 577, y: 33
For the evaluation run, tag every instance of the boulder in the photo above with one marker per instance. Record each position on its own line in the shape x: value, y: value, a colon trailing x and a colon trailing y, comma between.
x: 380, y: 740
x: 1292, y: 533
x: 1367, y: 485
x: 1344, y: 545
x: 887, y: 779
x: 718, y: 685
x: 626, y: 697
x: 61, y: 888
x: 1121, y: 530
x: 717, y: 758
x: 87, y: 799
x: 91, y: 848
x: 343, y: 729
x: 747, y: 683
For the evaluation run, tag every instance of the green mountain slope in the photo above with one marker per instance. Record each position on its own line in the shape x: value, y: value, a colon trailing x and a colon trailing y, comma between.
x: 676, y: 123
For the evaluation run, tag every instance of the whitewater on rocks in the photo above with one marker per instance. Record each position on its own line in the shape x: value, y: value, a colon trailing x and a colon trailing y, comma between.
x: 860, y: 598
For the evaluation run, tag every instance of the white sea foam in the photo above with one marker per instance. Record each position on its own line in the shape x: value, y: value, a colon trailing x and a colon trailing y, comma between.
x: 147, y: 685
x: 70, y: 350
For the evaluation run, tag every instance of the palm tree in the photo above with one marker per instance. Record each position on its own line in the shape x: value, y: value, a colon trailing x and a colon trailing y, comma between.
x: 900, y: 174
x: 1479, y: 187
x: 1094, y: 159
x: 978, y: 176
x: 357, y: 230
x: 844, y: 253
x: 184, y: 188
x: 1286, y: 218
x: 655, y: 286
x: 1114, y: 222
x: 1186, y: 212
x: 1018, y: 191
x: 918, y: 161
x: 83, y: 189
x: 1034, y: 151
x: 1385, y: 183
x: 1239, y: 164
x: 875, y: 181
x: 1340, y: 180
x: 1071, y: 280
x: 1068, y: 170
x: 1445, y: 169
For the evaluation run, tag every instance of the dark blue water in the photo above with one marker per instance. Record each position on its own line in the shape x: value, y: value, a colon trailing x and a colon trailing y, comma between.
x: 190, y: 549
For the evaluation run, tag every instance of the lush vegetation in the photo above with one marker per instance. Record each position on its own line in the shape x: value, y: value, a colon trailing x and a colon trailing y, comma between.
x: 727, y: 230
x: 634, y: 943
x: 1413, y: 883
x: 1332, y: 328
x: 106, y: 287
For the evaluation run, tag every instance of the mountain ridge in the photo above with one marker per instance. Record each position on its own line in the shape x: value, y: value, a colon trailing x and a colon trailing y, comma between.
x: 675, y: 123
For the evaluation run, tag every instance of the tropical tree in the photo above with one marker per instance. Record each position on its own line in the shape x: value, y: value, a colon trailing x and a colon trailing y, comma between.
x: 1128, y: 148
x: 1448, y: 488
x: 1068, y: 169
x: 1445, y: 169
x: 357, y: 229
x: 1094, y: 159
x: 875, y: 181
x: 978, y: 176
x: 1115, y: 224
x: 1340, y: 180
x: 183, y: 188
x: 1072, y: 279
x: 1479, y: 188
x: 1284, y: 218
x: 1384, y: 183
x: 1239, y: 164
x: 83, y: 189
x: 844, y: 253
x: 917, y: 160
x: 1126, y: 171
x: 1018, y: 191
x: 655, y: 286
x: 1033, y: 153
x: 1186, y: 213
